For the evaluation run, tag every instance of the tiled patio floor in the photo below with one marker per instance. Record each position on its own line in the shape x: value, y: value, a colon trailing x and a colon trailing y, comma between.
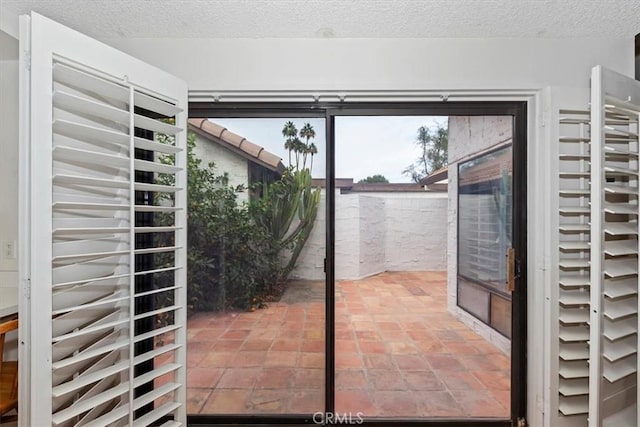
x: 398, y: 353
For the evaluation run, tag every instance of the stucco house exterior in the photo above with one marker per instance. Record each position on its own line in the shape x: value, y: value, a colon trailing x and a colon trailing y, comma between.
x: 244, y: 161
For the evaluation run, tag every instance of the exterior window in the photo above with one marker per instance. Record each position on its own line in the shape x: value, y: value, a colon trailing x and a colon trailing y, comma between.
x: 484, y: 236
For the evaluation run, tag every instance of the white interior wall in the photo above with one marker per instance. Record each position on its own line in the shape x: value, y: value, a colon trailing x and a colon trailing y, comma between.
x: 8, y: 157
x: 395, y: 64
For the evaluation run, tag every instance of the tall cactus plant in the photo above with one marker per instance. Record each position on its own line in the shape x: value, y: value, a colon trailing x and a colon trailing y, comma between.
x: 289, y: 206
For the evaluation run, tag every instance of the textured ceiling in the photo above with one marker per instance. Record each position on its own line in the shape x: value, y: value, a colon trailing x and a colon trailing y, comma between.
x: 340, y: 18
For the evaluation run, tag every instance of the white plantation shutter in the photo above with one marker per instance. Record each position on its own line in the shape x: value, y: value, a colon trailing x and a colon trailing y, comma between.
x: 613, y: 373
x: 106, y: 220
x: 573, y: 265
x: 596, y: 353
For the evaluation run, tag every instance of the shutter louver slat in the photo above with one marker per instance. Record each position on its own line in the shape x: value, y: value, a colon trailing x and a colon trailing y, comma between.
x: 573, y: 291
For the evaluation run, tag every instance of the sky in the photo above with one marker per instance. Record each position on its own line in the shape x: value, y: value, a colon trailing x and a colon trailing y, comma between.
x: 365, y: 145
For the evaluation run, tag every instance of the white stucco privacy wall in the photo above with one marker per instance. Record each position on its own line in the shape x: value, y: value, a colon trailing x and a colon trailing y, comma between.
x: 416, y: 233
x: 378, y: 232
x: 235, y: 166
x: 373, y: 235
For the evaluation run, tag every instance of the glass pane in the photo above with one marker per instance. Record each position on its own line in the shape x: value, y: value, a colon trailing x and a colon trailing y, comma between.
x: 256, y: 280
x: 484, y: 206
x: 402, y: 350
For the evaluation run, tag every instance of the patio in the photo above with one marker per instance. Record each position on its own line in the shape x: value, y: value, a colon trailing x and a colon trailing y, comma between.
x: 399, y: 353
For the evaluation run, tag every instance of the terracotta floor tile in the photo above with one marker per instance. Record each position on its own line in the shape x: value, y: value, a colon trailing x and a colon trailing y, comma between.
x: 421, y: 335
x: 444, y: 362
x: 378, y: 361
x: 448, y: 336
x: 428, y: 347
x: 313, y: 346
x: 411, y: 362
x: 217, y: 360
x: 400, y: 347
x: 462, y: 380
x: 226, y: 402
x: 350, y: 379
x: 348, y: 360
x: 477, y: 362
x: 346, y: 346
x: 399, y: 353
x: 438, y: 404
x: 395, y: 403
x: 227, y: 345
x: 367, y: 335
x: 494, y: 380
x: 503, y: 397
x: 423, y: 380
x: 355, y: 401
x: 267, y: 334
x: 203, y: 377
x: 306, y: 402
x: 284, y: 344
x: 207, y: 335
x: 313, y: 334
x: 460, y: 348
x: 248, y: 359
x: 386, y: 379
x: 257, y: 344
x: 372, y: 347
x: 311, y: 360
x: 269, y: 401
x: 281, y: 358
x: 309, y: 378
x: 276, y: 378
x: 480, y: 405
x: 345, y: 334
x: 195, y: 358
x: 239, y: 378
x: 236, y: 334
x: 196, y: 398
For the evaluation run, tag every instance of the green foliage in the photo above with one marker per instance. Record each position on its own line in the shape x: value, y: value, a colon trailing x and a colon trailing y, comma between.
x: 232, y: 261
x: 433, y: 144
x: 289, y: 206
x: 375, y: 179
x: 240, y: 254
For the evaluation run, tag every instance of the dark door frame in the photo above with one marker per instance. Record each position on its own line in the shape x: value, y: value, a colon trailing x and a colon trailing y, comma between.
x: 330, y: 110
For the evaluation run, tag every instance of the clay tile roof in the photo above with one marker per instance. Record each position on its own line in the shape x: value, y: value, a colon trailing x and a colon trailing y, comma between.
x: 236, y: 143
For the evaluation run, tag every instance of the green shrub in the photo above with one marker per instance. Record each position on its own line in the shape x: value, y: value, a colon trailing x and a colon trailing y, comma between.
x: 232, y: 262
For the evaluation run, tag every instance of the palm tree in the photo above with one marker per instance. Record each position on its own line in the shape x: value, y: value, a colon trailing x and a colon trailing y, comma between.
x: 308, y: 133
x: 289, y: 131
x: 313, y: 150
x: 299, y: 147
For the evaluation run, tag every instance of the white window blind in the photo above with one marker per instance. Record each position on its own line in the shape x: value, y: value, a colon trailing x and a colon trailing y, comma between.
x: 613, y: 373
x: 573, y: 264
x: 108, y: 239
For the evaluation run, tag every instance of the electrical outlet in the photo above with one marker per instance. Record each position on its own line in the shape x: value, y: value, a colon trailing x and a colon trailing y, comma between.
x: 9, y: 249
